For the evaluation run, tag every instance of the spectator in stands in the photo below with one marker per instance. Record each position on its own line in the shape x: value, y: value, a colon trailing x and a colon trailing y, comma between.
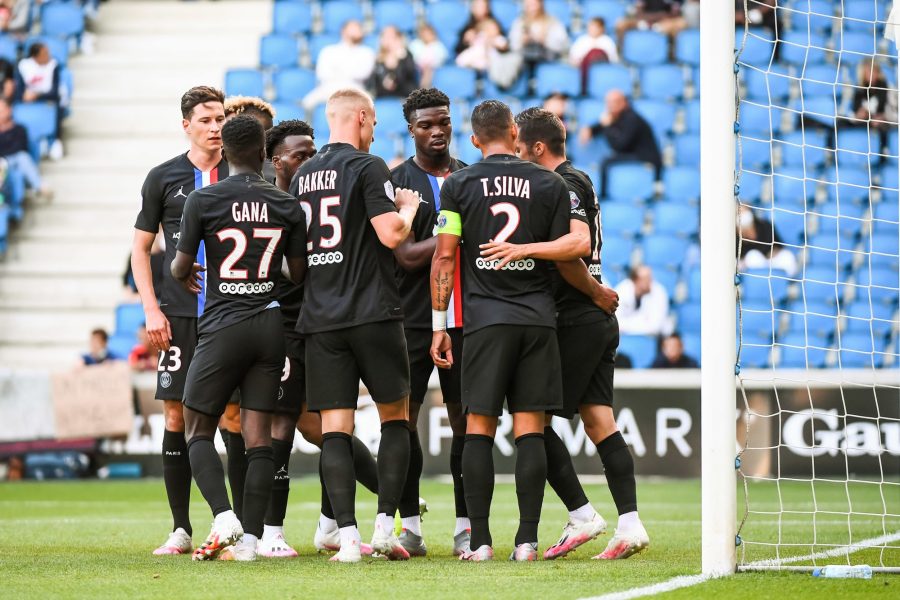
x: 142, y: 357
x: 428, y: 52
x: 538, y: 36
x: 671, y: 354
x: 7, y: 80
x: 395, y: 72
x: 15, y: 19
x: 760, y: 13
x: 643, y: 304
x: 871, y: 105
x: 39, y: 82
x: 593, y: 46
x: 489, y: 53
x: 760, y: 245
x: 558, y: 104
x: 480, y: 15
x: 98, y: 352
x: 663, y: 16
x: 628, y: 134
x: 349, y: 63
x: 14, y: 148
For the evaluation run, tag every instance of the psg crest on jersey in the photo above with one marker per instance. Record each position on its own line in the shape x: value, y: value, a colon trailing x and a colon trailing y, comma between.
x: 389, y: 190
x: 573, y: 199
x: 165, y: 379
x: 442, y: 221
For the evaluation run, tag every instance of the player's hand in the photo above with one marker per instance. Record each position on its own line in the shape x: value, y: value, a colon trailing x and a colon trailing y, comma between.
x: 606, y: 298
x: 194, y: 282
x: 405, y: 198
x: 159, y: 332
x: 441, y: 350
x: 504, y: 252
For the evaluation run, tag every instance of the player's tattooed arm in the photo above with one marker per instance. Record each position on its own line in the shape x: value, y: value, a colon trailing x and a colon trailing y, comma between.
x: 443, y: 269
x: 187, y: 272
x: 575, y: 244
x: 576, y: 274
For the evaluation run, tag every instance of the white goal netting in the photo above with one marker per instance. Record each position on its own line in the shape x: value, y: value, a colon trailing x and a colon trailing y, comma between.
x: 818, y: 368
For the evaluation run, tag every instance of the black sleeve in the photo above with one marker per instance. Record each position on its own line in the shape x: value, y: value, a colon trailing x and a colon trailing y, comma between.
x: 577, y: 204
x: 377, y: 188
x: 296, y: 242
x: 152, y: 203
x: 559, y: 217
x: 20, y: 139
x: 400, y: 179
x: 407, y: 76
x: 191, y: 233
x: 53, y: 94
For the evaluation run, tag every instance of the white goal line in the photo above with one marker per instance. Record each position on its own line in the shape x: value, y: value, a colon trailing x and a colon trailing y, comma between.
x: 684, y: 581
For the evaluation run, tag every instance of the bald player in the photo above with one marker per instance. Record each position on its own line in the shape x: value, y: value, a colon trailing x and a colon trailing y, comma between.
x: 351, y: 317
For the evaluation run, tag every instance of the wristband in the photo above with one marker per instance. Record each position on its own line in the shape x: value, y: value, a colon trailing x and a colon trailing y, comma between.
x: 438, y: 320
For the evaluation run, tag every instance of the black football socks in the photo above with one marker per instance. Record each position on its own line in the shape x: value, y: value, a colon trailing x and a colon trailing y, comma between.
x: 459, y: 496
x: 208, y: 473
x: 364, y: 465
x: 260, y: 473
x: 619, y: 466
x: 392, y: 472
x: 409, y: 501
x: 531, y: 474
x: 237, y: 471
x: 478, y: 473
x: 336, y: 469
x: 561, y: 472
x: 177, y: 477
x: 281, y: 485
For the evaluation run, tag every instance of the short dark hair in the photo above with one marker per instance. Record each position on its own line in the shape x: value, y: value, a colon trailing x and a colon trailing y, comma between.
x: 491, y: 120
x: 35, y: 48
x: 101, y: 333
x: 540, y: 125
x: 423, y: 98
x: 242, y: 138
x: 599, y: 20
x: 276, y: 136
x: 199, y: 95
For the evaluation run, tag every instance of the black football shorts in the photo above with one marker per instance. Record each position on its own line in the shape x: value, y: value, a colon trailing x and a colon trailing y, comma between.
x: 248, y: 356
x: 292, y: 391
x: 418, y: 344
x: 514, y: 362
x: 337, y: 360
x: 172, y: 366
x: 588, y: 356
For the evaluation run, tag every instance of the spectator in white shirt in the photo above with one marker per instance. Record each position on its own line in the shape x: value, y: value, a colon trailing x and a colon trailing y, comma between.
x: 643, y: 304
x: 594, y: 41
x: 428, y: 52
x: 346, y: 64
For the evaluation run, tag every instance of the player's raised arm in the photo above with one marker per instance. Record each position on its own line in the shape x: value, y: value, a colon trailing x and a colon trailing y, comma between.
x: 393, y: 228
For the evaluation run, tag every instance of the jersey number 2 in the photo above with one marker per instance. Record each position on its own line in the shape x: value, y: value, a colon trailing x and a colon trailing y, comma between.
x: 512, y: 220
x: 227, y: 270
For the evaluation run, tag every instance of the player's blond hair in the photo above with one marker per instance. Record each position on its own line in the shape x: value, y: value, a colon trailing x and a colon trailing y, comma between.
x: 237, y: 105
x: 347, y: 98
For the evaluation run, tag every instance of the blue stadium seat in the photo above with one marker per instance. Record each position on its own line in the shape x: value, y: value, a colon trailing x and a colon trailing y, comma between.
x: 817, y: 319
x: 801, y: 48
x: 605, y: 77
x: 755, y: 153
x: 399, y: 13
x: 660, y: 115
x: 761, y: 287
x: 856, y: 148
x: 641, y: 349
x: 681, y: 184
x: 337, y: 12
x: 62, y: 19
x: 757, y: 48
x: 887, y: 211
x: 620, y: 219
x: 286, y: 111
x: 797, y: 353
x: 645, y: 47
x: 559, y: 9
x: 610, y: 10
x: 687, y: 47
x: 813, y: 15
x: 120, y: 345
x: 519, y: 89
x: 457, y: 81
x: 588, y: 111
x: 668, y: 279
x: 15, y: 189
x: 244, y: 82
x: 9, y: 48
x: 447, y: 17
x: 278, y: 50
x: 801, y: 148
x: 39, y: 120
x: 865, y: 318
x: 754, y: 186
x: 861, y: 15
x: 820, y: 109
x: 617, y: 254
x: 4, y: 228
x: 852, y: 47
x: 767, y: 86
x: 857, y: 351
x: 384, y: 146
x: 292, y: 18
x: 662, y: 82
x: 319, y: 41
x: 884, y: 285
x: 505, y: 11
x: 632, y: 182
x: 757, y: 120
x: 292, y: 84
x: 791, y: 187
x: 59, y: 48
x: 819, y: 285
x: 465, y: 151
x: 389, y: 112
x: 687, y: 150
x: 692, y: 116
x: 676, y: 219
x: 790, y: 225
x: 129, y: 317
x: 754, y: 357
x: 664, y: 251
x: 821, y: 81
x: 848, y: 185
x: 553, y: 77
x: 689, y: 315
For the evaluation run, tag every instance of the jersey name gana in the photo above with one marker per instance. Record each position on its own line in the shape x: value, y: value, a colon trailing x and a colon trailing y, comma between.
x: 250, y: 211
x: 504, y: 185
x: 317, y: 180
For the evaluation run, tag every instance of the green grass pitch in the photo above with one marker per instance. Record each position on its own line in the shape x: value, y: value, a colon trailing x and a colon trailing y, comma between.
x: 93, y: 540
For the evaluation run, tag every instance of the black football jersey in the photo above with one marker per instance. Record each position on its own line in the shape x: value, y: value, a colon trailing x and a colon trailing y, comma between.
x: 248, y: 226
x: 504, y: 198
x: 350, y: 280
x: 573, y: 306
x: 415, y: 287
x: 165, y: 191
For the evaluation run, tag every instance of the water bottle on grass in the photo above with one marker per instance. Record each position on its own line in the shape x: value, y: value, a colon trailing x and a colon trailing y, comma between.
x: 844, y: 571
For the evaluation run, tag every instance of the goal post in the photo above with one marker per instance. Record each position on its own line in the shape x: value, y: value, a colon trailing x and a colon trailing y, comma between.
x: 717, y: 265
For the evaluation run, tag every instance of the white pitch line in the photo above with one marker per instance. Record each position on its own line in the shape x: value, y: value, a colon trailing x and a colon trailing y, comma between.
x: 684, y: 581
